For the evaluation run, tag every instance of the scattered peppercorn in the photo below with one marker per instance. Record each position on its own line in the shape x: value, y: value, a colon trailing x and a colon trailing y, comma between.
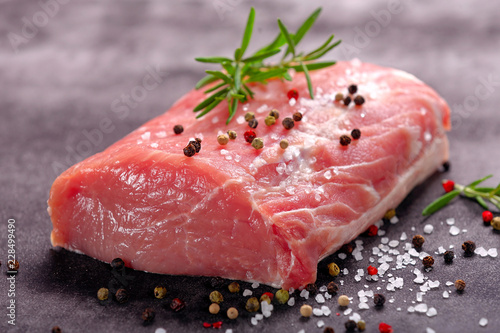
x: 350, y: 325
x: 217, y: 324
x: 352, y: 89
x: 121, y: 296
x: 217, y: 282
x: 449, y: 256
x: 347, y: 101
x: 284, y: 144
x: 339, y: 97
x: 361, y: 325
x: 495, y: 223
x: 390, y: 214
x: 222, y: 139
x: 469, y: 247
x: 460, y: 285
x: 178, y: 129
x: 13, y: 265
x: 297, y: 116
x: 270, y: 120
x: 232, y: 313
x: 197, y: 144
x: 249, y: 136
x: 372, y: 230
x: 446, y: 166
x: 177, y: 304
x: 189, y: 150
x: 333, y: 269
x: 345, y: 140
x: 258, y: 143
x: 306, y: 310
x: 216, y: 297
x: 359, y: 100
x: 378, y: 299
x: 56, y: 329
x: 372, y: 270
x: 487, y: 217
x: 249, y: 116
x: 214, y: 308
x: 312, y: 288
x: 117, y: 264
x: 148, y: 315
x: 282, y: 296
x: 103, y: 294
x: 207, y: 325
x: 328, y: 329
x: 234, y: 287
x: 288, y: 123
x: 265, y: 298
x: 343, y: 300
x: 356, y: 134
x: 232, y: 134
x: 332, y: 288
x: 160, y: 292
x: 253, y: 123
x: 346, y: 248
x: 428, y: 261
x: 293, y: 93
x: 448, y: 185
x: 385, y: 328
x: 418, y: 241
x: 274, y: 113
x: 252, y: 305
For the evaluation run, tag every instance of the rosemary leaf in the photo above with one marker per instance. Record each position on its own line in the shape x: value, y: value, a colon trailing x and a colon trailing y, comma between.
x: 304, y: 28
x: 476, y: 182
x: 214, y: 60
x: 205, y: 80
x: 289, y: 40
x: 261, y: 56
x: 313, y: 66
x: 440, y: 202
x: 482, y: 202
x: 248, y: 32
x: 308, y: 78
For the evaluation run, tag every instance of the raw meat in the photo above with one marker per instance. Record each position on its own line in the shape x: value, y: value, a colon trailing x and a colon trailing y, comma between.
x: 264, y: 215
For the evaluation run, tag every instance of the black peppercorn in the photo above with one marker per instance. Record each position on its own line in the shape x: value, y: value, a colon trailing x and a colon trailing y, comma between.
x: 352, y: 89
x: 428, y: 261
x: 346, y: 248
x: 117, y: 264
x: 359, y: 100
x: 449, y: 256
x: 148, y: 315
x: 378, y: 299
x: 469, y: 247
x: 445, y: 167
x: 328, y: 329
x: 177, y: 304
x: 332, y: 288
x: 312, y: 288
x: 253, y: 123
x: 418, y: 241
x: 345, y: 140
x: 189, y: 150
x: 460, y: 285
x: 178, y: 129
x: 274, y: 113
x: 121, y: 296
x: 297, y: 116
x: 196, y: 143
x: 217, y: 282
x: 356, y: 134
x: 56, y: 329
x: 347, y: 100
x: 350, y: 325
x: 288, y: 123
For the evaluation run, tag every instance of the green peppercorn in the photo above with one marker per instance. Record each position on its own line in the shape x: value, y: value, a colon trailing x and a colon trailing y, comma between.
x: 428, y: 261
x: 469, y: 247
x: 390, y: 214
x: 284, y: 144
x: 333, y: 269
x: 359, y: 100
x: 160, y: 292
x: 460, y: 285
x: 189, y: 150
x: 253, y: 123
x: 339, y: 97
x: 356, y: 134
x: 274, y: 113
x: 495, y: 223
x: 345, y: 140
x: 288, y: 123
x: 332, y: 288
x: 148, y: 315
x: 361, y: 325
x: 249, y: 116
x: 117, y: 264
x: 449, y: 256
x: 103, y: 294
x: 282, y: 296
x: 297, y: 116
x: 252, y: 305
x: 258, y: 143
x: 352, y: 89
x: 270, y: 120
x: 347, y: 101
x: 350, y: 325
x: 378, y: 299
x: 216, y: 297
x: 178, y: 129
x: 222, y: 139
x: 232, y: 134
x: 418, y: 241
x: 214, y: 308
x: 56, y: 329
x: 234, y: 287
x: 121, y: 296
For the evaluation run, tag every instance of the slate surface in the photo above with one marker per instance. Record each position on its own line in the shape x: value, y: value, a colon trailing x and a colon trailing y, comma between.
x: 65, y: 64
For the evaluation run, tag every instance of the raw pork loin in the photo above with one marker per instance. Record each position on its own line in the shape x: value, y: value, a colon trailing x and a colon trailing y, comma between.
x: 264, y: 215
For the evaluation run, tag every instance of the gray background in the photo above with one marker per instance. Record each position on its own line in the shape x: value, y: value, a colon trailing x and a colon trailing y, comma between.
x: 62, y: 78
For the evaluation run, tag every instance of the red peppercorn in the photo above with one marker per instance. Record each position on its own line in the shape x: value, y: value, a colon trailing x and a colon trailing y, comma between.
x: 384, y: 328
x: 372, y: 270
x: 448, y: 185
x: 372, y: 231
x: 249, y: 136
x: 217, y: 324
x: 207, y: 325
x: 487, y: 216
x: 293, y: 93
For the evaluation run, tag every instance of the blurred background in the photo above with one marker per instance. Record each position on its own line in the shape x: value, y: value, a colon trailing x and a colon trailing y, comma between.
x: 73, y: 82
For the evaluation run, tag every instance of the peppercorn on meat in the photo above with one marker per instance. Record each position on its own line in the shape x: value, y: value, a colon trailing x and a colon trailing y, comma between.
x: 267, y: 214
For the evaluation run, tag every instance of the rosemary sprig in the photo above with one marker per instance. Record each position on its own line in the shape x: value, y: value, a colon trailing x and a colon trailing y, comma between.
x: 470, y: 191
x: 233, y: 81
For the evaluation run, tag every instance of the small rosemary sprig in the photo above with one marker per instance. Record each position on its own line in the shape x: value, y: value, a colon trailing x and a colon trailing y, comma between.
x: 469, y: 191
x: 233, y: 81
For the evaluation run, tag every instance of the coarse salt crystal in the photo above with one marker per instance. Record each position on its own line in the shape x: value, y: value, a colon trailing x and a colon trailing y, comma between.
x: 411, y: 309
x: 254, y: 321
x: 403, y: 237
x: 304, y: 293
x: 162, y: 330
x: 380, y: 232
x: 247, y: 292
x: 345, y: 271
x: 446, y: 294
x: 450, y: 221
x: 342, y: 256
x: 322, y: 289
x: 363, y: 306
x: 255, y: 285
x: 431, y: 312
x: 320, y: 323
x: 422, y: 308
x: 454, y: 230
x: 481, y: 251
x: 259, y: 316
x: 384, y: 240
x: 449, y: 283
x: 429, y: 330
x: 326, y: 310
x: 393, y: 243
x: 317, y: 312
x: 328, y: 174
x: 347, y: 312
x: 319, y: 298
x: 483, y: 322
x: 291, y: 301
x: 240, y: 120
x: 394, y: 220
x: 493, y: 252
x: 428, y: 229
x: 441, y: 250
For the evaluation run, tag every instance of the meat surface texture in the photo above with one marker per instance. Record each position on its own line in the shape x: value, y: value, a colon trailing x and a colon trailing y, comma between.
x: 264, y: 215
